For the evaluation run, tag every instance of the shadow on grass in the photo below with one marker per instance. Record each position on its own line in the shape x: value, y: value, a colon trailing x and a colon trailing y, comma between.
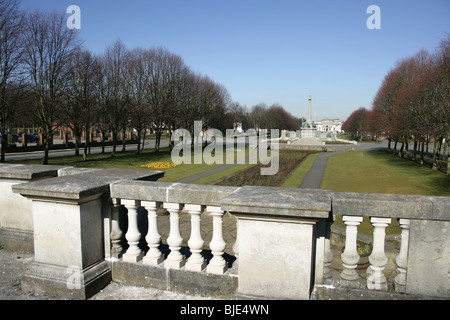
x: 438, y: 182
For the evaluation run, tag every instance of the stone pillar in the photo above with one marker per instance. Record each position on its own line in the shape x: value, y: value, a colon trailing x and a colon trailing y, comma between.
x: 154, y: 256
x: 277, y: 239
x: 350, y: 257
x: 134, y: 253
x: 16, y: 213
x: 309, y: 110
x: 195, y: 262
x: 68, y: 237
x: 429, y: 257
x: 378, y: 259
x: 116, y: 233
x: 217, y: 265
x: 402, y: 258
x: 175, y: 259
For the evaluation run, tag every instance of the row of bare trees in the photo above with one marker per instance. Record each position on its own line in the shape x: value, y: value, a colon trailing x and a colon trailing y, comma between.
x: 411, y: 106
x: 49, y: 79
x: 47, y: 74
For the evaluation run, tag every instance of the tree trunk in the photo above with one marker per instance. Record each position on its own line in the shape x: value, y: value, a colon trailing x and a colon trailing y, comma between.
x: 114, y: 139
x: 4, y: 144
x: 448, y: 158
x: 47, y: 141
x: 102, y: 138
x: 138, y: 149
x: 86, y: 142
x: 124, y: 139
x: 157, y: 140
x: 143, y: 139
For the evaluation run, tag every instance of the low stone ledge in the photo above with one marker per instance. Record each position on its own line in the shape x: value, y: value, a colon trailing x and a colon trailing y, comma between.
x: 170, y: 192
x: 180, y: 281
x: 79, y: 186
x: 306, y: 203
x: 67, y: 187
x: 28, y: 172
x: 199, y: 194
x: 386, y: 205
x: 441, y: 208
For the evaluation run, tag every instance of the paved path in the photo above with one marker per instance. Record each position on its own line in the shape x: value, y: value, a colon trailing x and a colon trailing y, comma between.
x: 313, y: 178
x: 204, y: 174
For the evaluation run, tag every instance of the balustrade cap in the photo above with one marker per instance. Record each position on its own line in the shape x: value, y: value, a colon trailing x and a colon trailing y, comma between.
x: 28, y: 172
x: 391, y: 205
x: 170, y: 192
x: 74, y: 187
x: 80, y: 186
x: 307, y: 203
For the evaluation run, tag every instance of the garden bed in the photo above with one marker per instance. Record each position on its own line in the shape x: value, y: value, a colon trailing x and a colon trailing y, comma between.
x: 289, y: 160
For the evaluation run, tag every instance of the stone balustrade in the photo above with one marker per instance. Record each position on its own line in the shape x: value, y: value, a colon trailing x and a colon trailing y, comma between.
x: 93, y: 227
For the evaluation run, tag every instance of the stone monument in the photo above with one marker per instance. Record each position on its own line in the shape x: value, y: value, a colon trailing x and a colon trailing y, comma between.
x: 308, y: 133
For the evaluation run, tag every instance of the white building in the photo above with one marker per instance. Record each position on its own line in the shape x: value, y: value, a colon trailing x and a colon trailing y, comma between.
x: 329, y: 125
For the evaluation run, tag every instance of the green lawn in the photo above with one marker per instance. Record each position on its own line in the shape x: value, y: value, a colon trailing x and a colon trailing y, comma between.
x: 131, y: 160
x: 380, y: 172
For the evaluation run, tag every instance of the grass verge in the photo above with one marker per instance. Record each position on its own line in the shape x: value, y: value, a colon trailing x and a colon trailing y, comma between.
x: 380, y: 172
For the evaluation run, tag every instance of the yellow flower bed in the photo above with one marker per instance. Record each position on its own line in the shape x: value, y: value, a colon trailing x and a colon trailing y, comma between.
x: 159, y: 165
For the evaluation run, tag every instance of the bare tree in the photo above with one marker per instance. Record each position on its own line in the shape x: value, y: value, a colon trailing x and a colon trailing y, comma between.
x: 139, y: 66
x: 48, y: 46
x: 11, y: 49
x: 114, y: 89
x: 81, y: 95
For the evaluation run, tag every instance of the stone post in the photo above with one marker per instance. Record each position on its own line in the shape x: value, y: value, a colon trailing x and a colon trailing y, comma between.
x: 16, y: 214
x: 69, y: 231
x: 276, y: 230
x: 68, y: 237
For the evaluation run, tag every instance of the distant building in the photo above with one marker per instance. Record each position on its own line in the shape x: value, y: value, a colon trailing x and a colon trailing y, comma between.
x: 329, y: 125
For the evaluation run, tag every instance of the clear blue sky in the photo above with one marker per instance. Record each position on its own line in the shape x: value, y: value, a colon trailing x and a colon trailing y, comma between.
x: 272, y: 51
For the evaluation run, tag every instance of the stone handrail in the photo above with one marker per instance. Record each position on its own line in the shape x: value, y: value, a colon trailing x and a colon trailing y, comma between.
x: 282, y: 247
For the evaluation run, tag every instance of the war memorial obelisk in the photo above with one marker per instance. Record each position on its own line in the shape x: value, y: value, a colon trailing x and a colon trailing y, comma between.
x: 308, y: 133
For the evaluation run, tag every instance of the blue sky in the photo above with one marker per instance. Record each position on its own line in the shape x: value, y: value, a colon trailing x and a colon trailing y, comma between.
x: 272, y: 51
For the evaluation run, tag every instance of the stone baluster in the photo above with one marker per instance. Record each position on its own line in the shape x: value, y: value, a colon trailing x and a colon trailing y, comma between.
x: 328, y: 255
x: 134, y: 253
x: 217, y: 265
x: 402, y: 258
x: 154, y: 256
x: 195, y: 262
x: 378, y: 259
x: 350, y: 257
x: 116, y: 233
x: 175, y: 259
